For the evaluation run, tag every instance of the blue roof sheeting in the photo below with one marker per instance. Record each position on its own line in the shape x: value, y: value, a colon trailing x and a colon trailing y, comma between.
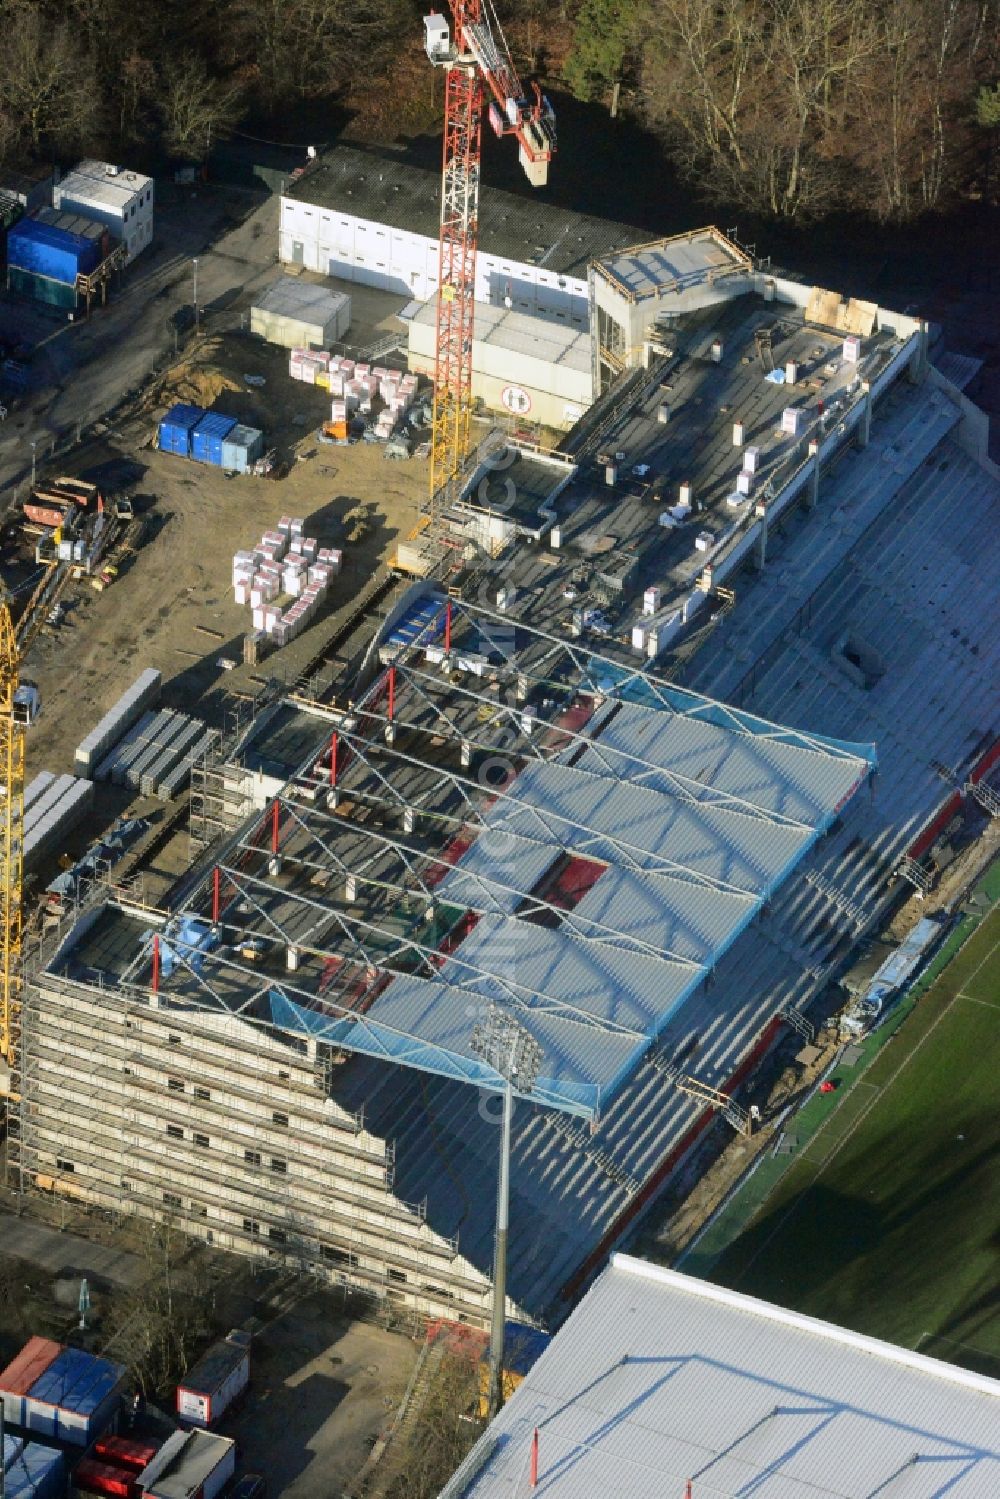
x: 176, y: 428
x: 208, y: 436
x: 699, y: 813
x: 77, y: 1381
x: 36, y: 1473
x: 423, y: 620
x: 49, y: 250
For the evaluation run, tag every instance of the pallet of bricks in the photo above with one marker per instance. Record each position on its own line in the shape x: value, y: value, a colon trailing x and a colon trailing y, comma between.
x: 357, y: 388
x: 284, y: 579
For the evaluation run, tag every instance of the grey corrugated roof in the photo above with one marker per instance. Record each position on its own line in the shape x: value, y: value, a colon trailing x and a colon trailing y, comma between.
x: 684, y: 260
x: 677, y: 801
x: 532, y: 337
x: 658, y: 1378
x: 291, y: 297
x: 773, y: 774
x: 591, y: 813
x: 386, y: 190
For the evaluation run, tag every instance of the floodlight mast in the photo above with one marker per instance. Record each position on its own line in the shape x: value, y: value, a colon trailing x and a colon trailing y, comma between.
x: 505, y: 1045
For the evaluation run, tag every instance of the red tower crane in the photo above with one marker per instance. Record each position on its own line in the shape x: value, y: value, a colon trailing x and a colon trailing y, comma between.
x: 475, y: 58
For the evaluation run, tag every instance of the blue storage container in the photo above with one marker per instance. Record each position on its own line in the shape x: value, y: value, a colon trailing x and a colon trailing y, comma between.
x: 176, y: 428
x: 37, y: 1473
x: 76, y: 1397
x: 242, y: 448
x: 12, y: 1449
x: 206, y: 439
x: 47, y: 250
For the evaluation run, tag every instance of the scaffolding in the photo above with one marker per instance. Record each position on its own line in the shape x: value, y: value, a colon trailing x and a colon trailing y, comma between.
x: 173, y: 1062
x: 229, y: 1132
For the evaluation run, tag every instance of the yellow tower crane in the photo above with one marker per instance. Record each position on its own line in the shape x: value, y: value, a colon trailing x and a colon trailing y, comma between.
x: 18, y: 706
x: 12, y: 724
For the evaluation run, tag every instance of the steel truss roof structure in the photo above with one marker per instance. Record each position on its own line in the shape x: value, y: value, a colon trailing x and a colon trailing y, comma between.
x: 506, y: 819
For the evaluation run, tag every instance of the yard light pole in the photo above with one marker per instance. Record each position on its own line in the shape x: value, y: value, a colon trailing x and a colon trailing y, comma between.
x: 504, y: 1044
x: 194, y: 264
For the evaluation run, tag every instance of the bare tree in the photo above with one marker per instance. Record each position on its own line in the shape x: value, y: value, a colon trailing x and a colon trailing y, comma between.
x: 309, y: 48
x: 792, y: 107
x: 443, y: 1432
x: 913, y: 118
x: 157, y: 1327
x: 47, y: 81
x: 194, y: 106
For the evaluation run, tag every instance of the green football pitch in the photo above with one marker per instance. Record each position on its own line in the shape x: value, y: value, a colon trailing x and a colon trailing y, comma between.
x: 889, y: 1223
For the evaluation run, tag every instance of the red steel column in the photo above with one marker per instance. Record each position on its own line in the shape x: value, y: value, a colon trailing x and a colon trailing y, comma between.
x: 216, y: 889
x: 392, y: 690
x: 156, y: 962
x: 275, y: 814
x: 534, y: 1460
x: 447, y: 626
x: 333, y: 759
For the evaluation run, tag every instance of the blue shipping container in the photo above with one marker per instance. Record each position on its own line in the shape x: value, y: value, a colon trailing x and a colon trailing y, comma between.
x: 242, y: 448
x: 207, y: 437
x: 38, y: 1473
x: 75, y: 1398
x: 176, y: 428
x: 12, y: 1449
x: 49, y: 251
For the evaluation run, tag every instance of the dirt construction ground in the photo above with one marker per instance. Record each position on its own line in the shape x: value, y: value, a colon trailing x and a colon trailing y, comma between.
x: 172, y: 605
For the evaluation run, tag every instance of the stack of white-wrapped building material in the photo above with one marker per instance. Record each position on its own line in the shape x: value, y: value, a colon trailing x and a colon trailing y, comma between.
x: 284, y: 578
x: 307, y: 364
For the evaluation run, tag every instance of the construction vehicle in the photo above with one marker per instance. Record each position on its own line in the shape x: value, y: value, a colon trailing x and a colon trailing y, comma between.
x: 474, y: 58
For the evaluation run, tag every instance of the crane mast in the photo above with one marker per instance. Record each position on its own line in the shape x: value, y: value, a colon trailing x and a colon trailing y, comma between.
x: 11, y: 836
x: 17, y: 705
x: 474, y: 61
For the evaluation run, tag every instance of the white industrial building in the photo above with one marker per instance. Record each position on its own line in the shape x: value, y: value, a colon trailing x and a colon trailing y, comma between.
x: 660, y: 1385
x: 524, y: 366
x: 120, y: 199
x: 374, y: 220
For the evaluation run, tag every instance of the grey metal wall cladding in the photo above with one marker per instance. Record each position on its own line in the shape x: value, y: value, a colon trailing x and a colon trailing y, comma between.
x: 241, y: 448
x: 36, y: 786
x: 43, y: 804
x: 58, y: 820
x: 118, y: 720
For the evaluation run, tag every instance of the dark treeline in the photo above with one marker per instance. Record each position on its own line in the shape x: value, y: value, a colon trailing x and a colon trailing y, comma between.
x: 794, y: 108
x: 167, y: 77
x: 787, y: 108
